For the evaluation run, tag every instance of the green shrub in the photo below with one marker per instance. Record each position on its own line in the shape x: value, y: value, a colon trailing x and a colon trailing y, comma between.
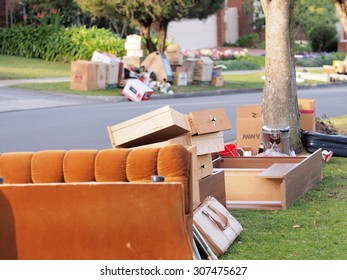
x: 58, y: 44
x: 319, y: 61
x: 248, y: 41
x: 238, y: 64
x: 323, y: 38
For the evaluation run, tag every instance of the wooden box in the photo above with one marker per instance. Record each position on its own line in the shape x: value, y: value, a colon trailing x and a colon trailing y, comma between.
x: 208, y: 143
x: 268, y: 182
x: 207, y: 121
x: 156, y: 126
x: 205, y: 166
x: 213, y: 185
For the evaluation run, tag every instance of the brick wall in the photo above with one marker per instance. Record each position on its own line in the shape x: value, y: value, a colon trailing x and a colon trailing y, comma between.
x: 3, y: 5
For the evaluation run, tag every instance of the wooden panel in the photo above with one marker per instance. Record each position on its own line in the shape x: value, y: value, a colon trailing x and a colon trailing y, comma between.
x: 245, y: 185
x: 205, y: 166
x: 93, y: 221
x: 302, y: 178
x: 213, y: 185
x: 254, y: 162
x: 277, y: 170
x: 156, y: 126
x: 208, y: 143
x: 207, y: 121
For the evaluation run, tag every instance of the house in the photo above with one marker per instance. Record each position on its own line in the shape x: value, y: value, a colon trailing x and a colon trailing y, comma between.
x: 226, y: 26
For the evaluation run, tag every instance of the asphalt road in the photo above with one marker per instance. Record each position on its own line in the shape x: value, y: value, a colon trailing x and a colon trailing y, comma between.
x: 32, y: 121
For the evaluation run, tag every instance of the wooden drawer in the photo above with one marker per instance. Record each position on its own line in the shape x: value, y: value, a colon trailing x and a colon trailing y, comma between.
x: 207, y: 121
x: 205, y: 166
x: 213, y: 185
x: 208, y: 143
x: 156, y: 126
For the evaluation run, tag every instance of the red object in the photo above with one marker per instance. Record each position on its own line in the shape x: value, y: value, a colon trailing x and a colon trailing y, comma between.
x: 230, y: 150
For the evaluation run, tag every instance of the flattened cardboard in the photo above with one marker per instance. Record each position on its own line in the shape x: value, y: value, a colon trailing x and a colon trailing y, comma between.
x: 156, y: 126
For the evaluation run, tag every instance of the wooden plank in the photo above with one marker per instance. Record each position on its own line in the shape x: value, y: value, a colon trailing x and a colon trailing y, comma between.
x: 208, y: 143
x: 254, y: 162
x: 207, y: 121
x: 302, y: 178
x: 257, y: 205
x: 277, y: 170
x: 213, y: 185
x: 156, y: 126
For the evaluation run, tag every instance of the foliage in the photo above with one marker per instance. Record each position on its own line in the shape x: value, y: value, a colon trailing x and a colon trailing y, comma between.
x: 238, y: 64
x: 319, y: 59
x: 145, y: 13
x: 248, y: 41
x: 58, y: 44
x: 323, y: 38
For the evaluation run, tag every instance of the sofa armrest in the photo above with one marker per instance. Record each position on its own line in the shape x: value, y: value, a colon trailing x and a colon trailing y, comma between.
x: 93, y: 221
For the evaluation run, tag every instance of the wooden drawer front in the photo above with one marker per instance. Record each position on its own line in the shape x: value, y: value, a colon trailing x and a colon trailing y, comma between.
x: 208, y: 143
x: 208, y: 121
x: 213, y: 185
x: 205, y: 166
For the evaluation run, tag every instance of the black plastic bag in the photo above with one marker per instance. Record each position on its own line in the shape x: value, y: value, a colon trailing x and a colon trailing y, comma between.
x: 312, y: 141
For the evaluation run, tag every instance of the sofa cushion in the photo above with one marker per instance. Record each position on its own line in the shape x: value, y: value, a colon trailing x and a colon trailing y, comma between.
x: 142, y: 164
x: 78, y: 165
x: 15, y: 167
x: 47, y: 166
x: 174, y: 165
x: 110, y: 165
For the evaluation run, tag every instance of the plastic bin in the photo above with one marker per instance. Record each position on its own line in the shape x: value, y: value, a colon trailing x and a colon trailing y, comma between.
x: 278, y: 134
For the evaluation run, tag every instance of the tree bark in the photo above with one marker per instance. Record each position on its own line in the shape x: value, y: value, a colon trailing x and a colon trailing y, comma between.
x: 145, y: 27
x: 163, y: 25
x: 340, y: 7
x: 279, y: 102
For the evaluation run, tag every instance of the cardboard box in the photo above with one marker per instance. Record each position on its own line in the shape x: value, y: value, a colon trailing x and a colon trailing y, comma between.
x: 249, y: 126
x: 207, y: 121
x: 134, y: 42
x: 133, y: 61
x: 217, y: 81
x: 112, y: 73
x: 159, y: 65
x: 249, y: 122
x: 189, y: 64
x: 203, y: 69
x: 101, y: 74
x: 159, y: 125
x: 328, y: 69
x: 83, y: 75
x: 136, y: 90
x: 138, y: 53
x: 112, y: 66
x: 307, y: 114
x: 105, y: 57
x: 270, y: 183
x: 174, y: 54
x: 180, y: 78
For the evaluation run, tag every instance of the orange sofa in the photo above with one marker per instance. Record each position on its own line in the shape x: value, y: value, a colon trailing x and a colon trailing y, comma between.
x: 89, y: 204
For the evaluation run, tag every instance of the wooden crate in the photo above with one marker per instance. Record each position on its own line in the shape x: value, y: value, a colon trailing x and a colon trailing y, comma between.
x: 268, y: 182
x: 159, y: 125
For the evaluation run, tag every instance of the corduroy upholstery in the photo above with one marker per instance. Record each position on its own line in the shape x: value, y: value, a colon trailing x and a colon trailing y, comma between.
x: 75, y: 204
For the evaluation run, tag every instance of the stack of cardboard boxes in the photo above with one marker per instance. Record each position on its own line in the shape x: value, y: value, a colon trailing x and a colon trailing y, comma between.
x: 203, y: 71
x: 174, y: 55
x: 135, y: 51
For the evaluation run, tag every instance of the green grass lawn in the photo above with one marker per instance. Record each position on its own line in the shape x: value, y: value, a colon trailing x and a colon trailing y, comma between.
x: 14, y: 67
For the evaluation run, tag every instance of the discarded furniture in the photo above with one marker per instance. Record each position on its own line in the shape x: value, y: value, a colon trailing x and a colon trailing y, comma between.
x: 89, y: 204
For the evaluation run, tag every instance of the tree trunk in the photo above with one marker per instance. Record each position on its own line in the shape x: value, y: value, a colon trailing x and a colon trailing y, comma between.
x: 145, y: 27
x: 163, y: 25
x: 341, y: 9
x: 280, y: 103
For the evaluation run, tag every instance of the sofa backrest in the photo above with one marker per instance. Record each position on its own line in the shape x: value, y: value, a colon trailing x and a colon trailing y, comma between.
x: 109, y: 165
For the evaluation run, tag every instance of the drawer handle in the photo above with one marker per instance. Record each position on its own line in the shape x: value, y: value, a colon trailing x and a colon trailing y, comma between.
x: 213, y: 120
